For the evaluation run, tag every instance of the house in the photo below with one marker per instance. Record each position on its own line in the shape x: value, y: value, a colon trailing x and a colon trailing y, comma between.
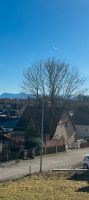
x: 73, y: 125
x: 80, y: 118
x: 10, y: 148
x: 66, y: 129
x: 8, y: 123
x: 14, y: 147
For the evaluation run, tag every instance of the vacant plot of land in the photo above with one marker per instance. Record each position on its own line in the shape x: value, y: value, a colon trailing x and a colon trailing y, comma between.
x: 44, y: 188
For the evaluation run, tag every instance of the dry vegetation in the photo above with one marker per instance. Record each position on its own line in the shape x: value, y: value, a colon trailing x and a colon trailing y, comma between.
x: 44, y: 188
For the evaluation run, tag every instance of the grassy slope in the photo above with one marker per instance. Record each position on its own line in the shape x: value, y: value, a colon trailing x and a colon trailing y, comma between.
x: 43, y: 188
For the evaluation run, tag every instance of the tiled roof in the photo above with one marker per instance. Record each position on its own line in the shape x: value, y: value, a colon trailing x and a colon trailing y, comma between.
x: 8, y: 122
x: 81, y: 116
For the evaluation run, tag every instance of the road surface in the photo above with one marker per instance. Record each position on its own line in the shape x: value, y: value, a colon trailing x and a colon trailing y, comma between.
x: 69, y: 159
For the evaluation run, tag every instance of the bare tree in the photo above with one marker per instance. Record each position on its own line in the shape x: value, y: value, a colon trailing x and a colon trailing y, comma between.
x: 55, y: 73
x: 55, y: 81
x: 52, y: 78
x: 33, y: 79
x: 72, y: 85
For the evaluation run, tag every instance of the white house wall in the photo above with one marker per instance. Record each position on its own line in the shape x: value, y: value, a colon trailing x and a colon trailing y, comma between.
x: 66, y: 132
x: 60, y: 131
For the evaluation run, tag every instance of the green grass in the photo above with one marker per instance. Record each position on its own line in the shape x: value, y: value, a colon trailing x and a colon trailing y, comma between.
x: 44, y: 187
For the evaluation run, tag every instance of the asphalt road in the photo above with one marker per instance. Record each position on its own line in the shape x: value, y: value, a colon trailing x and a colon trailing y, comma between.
x: 69, y: 159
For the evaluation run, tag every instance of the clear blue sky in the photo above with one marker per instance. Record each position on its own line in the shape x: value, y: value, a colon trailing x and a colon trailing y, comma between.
x: 36, y: 29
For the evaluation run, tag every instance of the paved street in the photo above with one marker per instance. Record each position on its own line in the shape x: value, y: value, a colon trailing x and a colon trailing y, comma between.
x: 69, y: 159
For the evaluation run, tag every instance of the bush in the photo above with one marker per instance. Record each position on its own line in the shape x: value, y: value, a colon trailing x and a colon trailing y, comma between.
x: 21, y: 154
x: 37, y: 146
x: 33, y: 143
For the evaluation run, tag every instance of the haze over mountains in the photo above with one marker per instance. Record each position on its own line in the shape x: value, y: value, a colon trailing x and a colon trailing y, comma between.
x: 20, y: 95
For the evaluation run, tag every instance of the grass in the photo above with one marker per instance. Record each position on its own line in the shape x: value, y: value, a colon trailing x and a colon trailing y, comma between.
x: 44, y: 187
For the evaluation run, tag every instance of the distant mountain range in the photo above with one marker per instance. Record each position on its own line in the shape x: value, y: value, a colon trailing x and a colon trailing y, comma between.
x: 21, y: 95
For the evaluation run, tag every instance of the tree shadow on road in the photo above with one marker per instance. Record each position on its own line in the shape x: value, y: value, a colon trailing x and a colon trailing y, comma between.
x: 83, y: 176
x: 83, y: 189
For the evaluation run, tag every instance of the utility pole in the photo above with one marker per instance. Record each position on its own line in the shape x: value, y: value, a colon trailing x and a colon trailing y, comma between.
x: 42, y: 129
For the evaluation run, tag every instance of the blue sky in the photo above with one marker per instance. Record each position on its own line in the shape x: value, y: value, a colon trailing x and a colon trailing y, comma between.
x: 36, y: 29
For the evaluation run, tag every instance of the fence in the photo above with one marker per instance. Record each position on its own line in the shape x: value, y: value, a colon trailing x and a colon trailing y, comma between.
x: 8, y: 155
x: 83, y: 145
x: 54, y: 149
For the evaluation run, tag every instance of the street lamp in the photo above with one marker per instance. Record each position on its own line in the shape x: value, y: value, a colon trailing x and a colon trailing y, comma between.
x: 42, y: 119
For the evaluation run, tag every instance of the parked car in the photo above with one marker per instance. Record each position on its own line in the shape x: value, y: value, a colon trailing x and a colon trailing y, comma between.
x: 85, y: 162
